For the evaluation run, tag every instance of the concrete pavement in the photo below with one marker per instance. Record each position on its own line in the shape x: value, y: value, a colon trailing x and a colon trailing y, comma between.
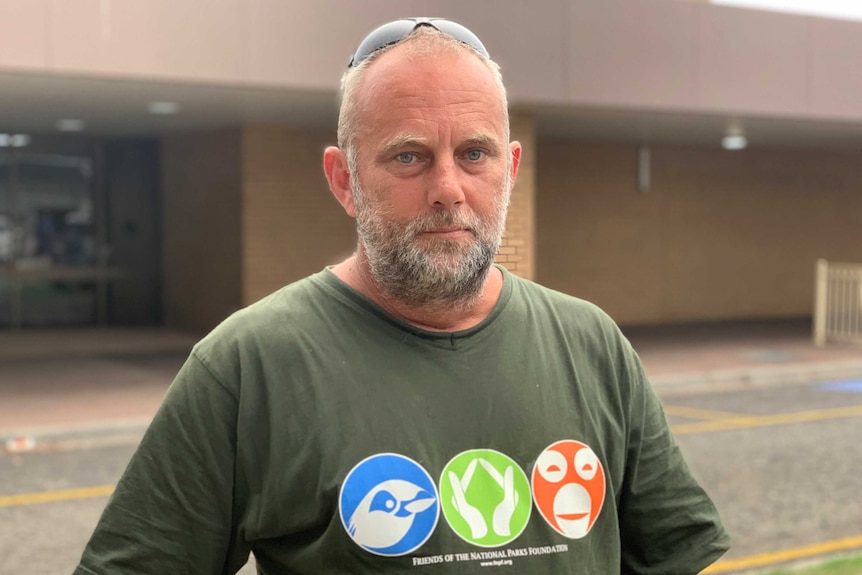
x: 703, y: 357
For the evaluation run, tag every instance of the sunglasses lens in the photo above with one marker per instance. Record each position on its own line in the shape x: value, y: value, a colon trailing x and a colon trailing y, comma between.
x: 461, y: 33
x: 396, y: 31
x: 383, y: 36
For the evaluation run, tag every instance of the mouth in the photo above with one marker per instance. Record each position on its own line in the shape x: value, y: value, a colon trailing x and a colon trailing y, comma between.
x: 448, y: 232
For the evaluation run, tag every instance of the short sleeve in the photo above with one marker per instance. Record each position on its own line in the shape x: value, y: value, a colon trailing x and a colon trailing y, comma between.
x: 668, y: 523
x: 173, y: 510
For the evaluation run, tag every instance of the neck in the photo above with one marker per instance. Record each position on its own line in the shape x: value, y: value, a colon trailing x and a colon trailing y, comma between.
x: 432, y: 316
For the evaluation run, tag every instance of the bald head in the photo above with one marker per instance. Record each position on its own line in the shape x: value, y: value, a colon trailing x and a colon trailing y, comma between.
x: 362, y: 84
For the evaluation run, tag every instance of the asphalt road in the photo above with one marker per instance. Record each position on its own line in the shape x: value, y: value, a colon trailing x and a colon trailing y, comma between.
x: 783, y: 465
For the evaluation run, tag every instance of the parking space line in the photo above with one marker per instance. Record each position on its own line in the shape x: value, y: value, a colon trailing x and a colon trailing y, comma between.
x: 51, y: 496
x: 697, y: 413
x: 767, y: 559
x: 767, y: 420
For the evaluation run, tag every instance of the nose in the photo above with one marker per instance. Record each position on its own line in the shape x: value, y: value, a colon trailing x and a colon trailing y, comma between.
x: 445, y: 189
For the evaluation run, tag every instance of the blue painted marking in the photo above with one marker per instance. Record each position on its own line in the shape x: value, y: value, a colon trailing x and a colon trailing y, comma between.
x: 852, y: 386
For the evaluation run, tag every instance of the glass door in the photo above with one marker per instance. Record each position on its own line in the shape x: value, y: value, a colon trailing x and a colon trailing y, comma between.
x: 50, y: 228
x: 79, y: 231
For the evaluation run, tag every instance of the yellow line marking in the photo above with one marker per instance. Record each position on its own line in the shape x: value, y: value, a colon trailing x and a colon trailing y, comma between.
x: 50, y: 496
x: 767, y: 559
x: 697, y: 413
x: 767, y: 420
x: 763, y: 560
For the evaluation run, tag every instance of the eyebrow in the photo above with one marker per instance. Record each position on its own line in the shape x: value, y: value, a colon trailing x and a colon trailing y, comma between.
x: 483, y: 140
x: 402, y: 141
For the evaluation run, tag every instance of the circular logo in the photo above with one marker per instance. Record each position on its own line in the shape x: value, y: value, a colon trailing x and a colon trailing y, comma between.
x: 485, y: 497
x: 388, y: 505
x: 569, y: 487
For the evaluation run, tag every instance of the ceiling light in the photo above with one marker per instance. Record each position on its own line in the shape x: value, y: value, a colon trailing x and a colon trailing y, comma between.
x: 71, y: 125
x: 838, y: 9
x: 163, y: 108
x: 734, y: 142
x: 14, y: 140
x: 734, y: 135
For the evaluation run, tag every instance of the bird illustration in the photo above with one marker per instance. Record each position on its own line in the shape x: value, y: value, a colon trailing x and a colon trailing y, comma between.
x: 386, y: 513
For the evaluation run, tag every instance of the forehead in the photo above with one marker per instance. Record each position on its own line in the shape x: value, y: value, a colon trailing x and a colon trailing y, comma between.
x: 447, y: 92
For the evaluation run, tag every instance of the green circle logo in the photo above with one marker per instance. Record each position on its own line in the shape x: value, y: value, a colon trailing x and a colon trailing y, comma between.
x: 485, y: 497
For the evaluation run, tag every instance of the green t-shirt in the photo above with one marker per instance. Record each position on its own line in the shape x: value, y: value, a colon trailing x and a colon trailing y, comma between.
x: 327, y: 436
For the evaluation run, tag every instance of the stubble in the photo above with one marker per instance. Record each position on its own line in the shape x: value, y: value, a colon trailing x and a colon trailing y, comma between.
x: 419, y: 270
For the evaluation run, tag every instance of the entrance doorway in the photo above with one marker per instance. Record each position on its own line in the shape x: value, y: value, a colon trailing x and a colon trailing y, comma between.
x: 56, y: 265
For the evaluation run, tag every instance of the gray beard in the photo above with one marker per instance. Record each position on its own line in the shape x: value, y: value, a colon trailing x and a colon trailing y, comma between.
x: 445, y: 273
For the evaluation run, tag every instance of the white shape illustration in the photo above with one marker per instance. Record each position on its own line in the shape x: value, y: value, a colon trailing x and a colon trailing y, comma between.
x: 470, y: 514
x: 572, y: 506
x: 552, y: 466
x: 386, y: 513
x: 586, y: 463
x: 502, y: 518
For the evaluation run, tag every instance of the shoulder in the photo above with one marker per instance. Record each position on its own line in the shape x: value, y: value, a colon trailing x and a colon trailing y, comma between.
x: 586, y: 329
x: 268, y: 324
x: 574, y: 311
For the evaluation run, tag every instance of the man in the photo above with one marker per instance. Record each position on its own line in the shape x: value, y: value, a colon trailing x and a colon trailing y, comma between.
x: 414, y: 408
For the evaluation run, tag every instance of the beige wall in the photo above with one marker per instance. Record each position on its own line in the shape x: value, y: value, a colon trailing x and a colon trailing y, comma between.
x: 201, y: 233
x: 720, y: 235
x: 292, y: 225
x: 657, y: 54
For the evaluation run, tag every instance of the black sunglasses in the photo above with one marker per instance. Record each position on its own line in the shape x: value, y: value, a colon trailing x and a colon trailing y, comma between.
x: 397, y: 30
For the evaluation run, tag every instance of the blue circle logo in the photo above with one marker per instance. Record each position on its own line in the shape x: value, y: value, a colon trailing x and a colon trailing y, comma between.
x: 389, y: 505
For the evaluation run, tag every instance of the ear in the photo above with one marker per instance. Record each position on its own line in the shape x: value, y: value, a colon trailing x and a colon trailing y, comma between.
x: 338, y: 175
x: 515, y: 150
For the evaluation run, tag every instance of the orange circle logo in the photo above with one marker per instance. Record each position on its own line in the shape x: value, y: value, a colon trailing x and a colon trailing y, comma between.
x: 569, y: 487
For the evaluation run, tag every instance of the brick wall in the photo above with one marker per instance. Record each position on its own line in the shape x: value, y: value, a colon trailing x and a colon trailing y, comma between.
x: 720, y: 235
x: 248, y: 211
x: 292, y: 225
x: 517, y: 252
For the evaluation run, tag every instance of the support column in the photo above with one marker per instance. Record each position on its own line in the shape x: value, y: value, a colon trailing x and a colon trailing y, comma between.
x: 517, y: 252
x: 201, y: 228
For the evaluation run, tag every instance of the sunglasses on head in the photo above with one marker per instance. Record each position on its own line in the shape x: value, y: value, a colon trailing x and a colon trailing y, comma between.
x: 397, y: 30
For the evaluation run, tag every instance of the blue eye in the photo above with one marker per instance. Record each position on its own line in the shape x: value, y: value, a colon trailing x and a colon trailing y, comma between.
x: 475, y: 155
x: 406, y: 157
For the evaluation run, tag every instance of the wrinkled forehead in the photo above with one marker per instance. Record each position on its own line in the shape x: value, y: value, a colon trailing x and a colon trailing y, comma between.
x: 454, y: 84
x: 432, y: 57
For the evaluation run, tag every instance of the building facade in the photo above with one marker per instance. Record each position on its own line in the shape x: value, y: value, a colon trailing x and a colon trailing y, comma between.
x: 160, y: 160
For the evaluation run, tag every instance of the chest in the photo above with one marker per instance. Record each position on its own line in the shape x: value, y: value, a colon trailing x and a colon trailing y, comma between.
x: 418, y: 455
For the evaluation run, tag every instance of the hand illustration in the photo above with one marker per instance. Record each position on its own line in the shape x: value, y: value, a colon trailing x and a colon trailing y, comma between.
x: 502, y: 517
x: 470, y: 514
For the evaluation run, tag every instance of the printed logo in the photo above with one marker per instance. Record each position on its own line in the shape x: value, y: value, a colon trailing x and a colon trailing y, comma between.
x: 388, y: 505
x: 485, y: 497
x: 569, y: 487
